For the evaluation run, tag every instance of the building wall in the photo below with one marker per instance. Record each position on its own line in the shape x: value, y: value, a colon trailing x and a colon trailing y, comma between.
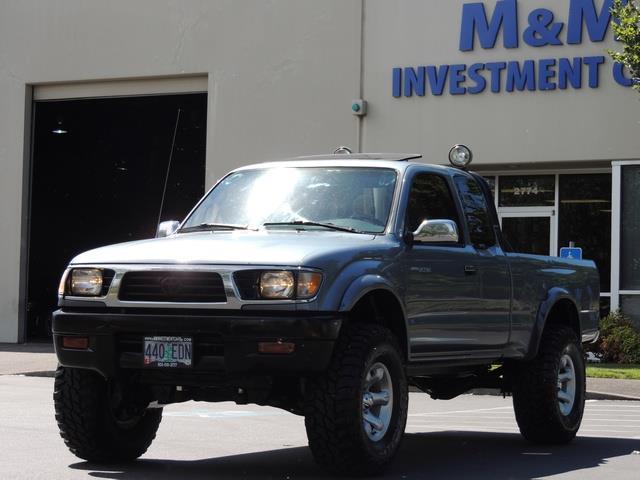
x: 505, y: 128
x: 281, y: 75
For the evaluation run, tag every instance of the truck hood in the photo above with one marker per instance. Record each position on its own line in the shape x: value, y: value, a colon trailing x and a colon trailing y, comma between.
x: 233, y: 248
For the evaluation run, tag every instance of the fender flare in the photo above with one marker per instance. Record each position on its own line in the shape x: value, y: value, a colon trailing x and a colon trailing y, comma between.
x: 366, y: 284
x: 554, y: 295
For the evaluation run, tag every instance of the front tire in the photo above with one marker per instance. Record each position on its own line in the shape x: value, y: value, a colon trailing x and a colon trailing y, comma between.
x: 356, y: 412
x: 549, y: 392
x: 92, y: 426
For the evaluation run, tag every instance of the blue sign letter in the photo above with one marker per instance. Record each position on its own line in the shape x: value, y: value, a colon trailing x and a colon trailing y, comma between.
x: 618, y: 74
x: 414, y: 80
x: 518, y: 78
x: 474, y: 74
x: 594, y: 69
x: 569, y: 73
x: 397, y: 82
x: 495, y: 68
x: 583, y: 12
x: 546, y: 73
x: 437, y: 78
x: 474, y: 20
x: 542, y: 29
x: 456, y: 77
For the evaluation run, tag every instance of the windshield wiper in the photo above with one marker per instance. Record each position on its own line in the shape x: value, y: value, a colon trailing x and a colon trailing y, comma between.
x: 213, y: 226
x: 305, y: 223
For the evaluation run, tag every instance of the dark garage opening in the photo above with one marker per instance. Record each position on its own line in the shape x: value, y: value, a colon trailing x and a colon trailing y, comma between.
x: 98, y: 173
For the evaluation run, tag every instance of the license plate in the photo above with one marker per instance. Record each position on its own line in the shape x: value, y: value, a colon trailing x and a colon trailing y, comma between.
x: 168, y: 352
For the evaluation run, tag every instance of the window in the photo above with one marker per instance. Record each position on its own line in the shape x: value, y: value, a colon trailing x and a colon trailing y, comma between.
x: 475, y: 210
x: 430, y: 199
x: 491, y: 181
x: 630, y: 233
x: 355, y: 198
x: 527, y: 191
x: 585, y: 218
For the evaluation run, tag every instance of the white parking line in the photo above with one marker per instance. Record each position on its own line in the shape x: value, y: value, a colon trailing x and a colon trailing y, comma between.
x: 615, y: 408
x: 591, y: 413
x: 459, y: 411
x: 584, y: 432
x: 221, y: 413
x: 466, y: 428
x: 607, y: 430
x: 601, y: 419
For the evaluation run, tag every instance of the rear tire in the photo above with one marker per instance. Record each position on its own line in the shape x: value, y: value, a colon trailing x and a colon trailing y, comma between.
x: 91, y: 427
x: 356, y: 412
x: 549, y: 392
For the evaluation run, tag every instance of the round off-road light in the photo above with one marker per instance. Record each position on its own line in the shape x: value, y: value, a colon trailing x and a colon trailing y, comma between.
x: 342, y: 150
x: 460, y: 156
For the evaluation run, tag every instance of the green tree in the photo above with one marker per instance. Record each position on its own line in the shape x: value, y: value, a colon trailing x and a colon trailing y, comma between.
x: 626, y: 25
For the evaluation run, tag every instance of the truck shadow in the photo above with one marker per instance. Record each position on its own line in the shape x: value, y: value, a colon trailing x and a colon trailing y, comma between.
x: 435, y: 455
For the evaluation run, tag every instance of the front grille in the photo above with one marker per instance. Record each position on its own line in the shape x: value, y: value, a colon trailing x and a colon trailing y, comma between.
x: 107, y: 278
x: 248, y: 283
x: 171, y: 286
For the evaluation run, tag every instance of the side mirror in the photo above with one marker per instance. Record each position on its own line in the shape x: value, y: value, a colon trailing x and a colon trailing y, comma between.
x: 436, y: 231
x: 167, y: 228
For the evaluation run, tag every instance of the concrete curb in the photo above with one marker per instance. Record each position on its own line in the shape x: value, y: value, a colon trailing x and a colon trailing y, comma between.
x: 610, y: 396
x: 43, y: 374
x: 49, y: 374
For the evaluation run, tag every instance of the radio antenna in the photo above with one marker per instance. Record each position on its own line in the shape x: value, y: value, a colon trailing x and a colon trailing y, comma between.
x: 166, y: 177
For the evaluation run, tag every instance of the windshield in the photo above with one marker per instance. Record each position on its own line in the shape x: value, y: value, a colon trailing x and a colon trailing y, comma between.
x: 354, y: 199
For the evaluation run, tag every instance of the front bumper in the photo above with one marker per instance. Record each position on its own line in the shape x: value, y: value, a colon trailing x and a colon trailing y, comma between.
x: 225, y: 342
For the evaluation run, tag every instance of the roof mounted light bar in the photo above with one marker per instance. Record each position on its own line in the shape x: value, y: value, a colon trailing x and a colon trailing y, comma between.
x: 391, y: 157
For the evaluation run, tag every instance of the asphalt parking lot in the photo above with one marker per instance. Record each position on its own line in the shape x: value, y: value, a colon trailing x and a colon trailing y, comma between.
x: 468, y: 437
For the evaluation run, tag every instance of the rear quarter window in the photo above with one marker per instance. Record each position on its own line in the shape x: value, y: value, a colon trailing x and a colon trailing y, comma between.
x: 476, y: 212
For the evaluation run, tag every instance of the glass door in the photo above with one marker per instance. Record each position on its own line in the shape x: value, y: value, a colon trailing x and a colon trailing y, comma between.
x: 526, y: 207
x: 530, y: 232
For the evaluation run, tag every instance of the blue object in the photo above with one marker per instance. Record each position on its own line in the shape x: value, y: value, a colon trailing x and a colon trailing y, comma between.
x: 482, y: 27
x: 574, y: 253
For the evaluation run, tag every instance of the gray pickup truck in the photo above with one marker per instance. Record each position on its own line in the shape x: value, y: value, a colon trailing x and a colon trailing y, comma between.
x: 325, y: 286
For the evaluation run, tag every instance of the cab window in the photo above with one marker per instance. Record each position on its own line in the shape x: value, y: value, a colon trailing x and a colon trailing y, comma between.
x: 476, y: 212
x: 430, y: 199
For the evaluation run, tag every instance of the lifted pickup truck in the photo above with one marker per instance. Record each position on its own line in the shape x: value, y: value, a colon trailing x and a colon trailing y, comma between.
x: 324, y: 286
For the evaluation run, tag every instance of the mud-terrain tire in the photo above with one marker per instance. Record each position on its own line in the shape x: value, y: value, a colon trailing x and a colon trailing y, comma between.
x: 364, y: 385
x: 549, y: 392
x: 88, y: 425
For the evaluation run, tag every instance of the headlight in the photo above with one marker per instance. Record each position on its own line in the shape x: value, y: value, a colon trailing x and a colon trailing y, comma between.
x: 86, y: 282
x: 284, y: 284
x: 294, y: 284
x: 274, y: 285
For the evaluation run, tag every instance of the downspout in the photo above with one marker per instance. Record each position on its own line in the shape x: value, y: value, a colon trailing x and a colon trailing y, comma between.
x: 360, y: 118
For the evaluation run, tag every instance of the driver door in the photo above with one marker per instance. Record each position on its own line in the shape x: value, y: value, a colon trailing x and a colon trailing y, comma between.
x: 441, y: 297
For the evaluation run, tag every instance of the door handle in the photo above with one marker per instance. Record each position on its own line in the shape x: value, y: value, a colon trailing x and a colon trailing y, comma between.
x: 470, y: 269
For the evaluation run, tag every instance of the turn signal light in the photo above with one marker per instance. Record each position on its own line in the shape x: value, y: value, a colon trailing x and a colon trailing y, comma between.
x: 76, y: 343
x: 278, y: 347
x: 308, y: 284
